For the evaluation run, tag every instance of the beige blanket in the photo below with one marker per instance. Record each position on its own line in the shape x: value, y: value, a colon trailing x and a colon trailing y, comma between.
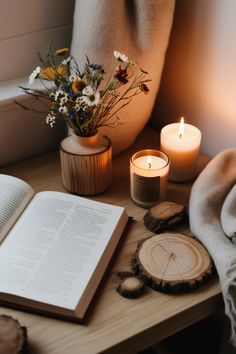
x: 212, y: 213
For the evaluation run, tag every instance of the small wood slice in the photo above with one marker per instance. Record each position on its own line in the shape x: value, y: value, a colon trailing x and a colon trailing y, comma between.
x: 131, y: 287
x: 165, y: 216
x: 13, y: 337
x: 172, y: 262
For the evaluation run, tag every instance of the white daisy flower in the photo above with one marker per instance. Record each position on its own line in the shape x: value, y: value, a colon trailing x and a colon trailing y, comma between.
x: 73, y: 78
x: 91, y: 97
x: 63, y: 110
x: 88, y: 90
x: 92, y: 100
x: 121, y: 57
x: 77, y: 107
x: 58, y: 93
x: 66, y: 61
x: 64, y: 98
x: 34, y: 75
x: 80, y: 103
x: 51, y: 119
x: 78, y: 100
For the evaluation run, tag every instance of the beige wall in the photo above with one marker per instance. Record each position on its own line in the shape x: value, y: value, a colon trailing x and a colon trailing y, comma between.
x: 25, y: 26
x: 199, y: 78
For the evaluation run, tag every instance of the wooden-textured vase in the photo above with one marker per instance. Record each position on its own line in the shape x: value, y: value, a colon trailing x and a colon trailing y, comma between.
x: 86, y: 164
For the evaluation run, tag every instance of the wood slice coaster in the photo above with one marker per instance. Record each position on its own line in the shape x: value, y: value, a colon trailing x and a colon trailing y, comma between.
x: 164, y: 216
x: 172, y: 262
x: 13, y: 337
x: 131, y: 287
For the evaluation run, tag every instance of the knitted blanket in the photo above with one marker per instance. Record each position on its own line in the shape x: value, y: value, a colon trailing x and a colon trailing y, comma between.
x: 138, y: 28
x: 212, y: 213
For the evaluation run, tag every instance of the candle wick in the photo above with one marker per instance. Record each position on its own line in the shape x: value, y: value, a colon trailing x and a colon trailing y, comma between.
x: 149, y: 165
x: 180, y: 136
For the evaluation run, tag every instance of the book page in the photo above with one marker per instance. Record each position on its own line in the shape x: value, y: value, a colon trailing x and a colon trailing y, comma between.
x: 14, y: 196
x: 52, y: 251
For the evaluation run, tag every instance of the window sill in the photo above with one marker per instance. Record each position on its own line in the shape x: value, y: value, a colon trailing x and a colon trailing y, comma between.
x: 9, y: 91
x: 23, y: 133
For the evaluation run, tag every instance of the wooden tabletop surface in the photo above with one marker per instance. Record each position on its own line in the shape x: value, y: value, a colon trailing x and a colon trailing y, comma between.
x: 115, y: 324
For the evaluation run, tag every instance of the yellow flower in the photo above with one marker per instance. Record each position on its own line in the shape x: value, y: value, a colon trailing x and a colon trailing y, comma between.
x: 62, y: 70
x: 47, y: 73
x: 51, y: 73
x: 78, y: 86
x: 61, y: 51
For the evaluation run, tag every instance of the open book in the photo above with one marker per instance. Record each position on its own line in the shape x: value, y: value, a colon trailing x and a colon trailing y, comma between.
x: 55, y: 248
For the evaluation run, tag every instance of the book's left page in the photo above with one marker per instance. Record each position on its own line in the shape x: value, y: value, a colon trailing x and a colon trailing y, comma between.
x: 15, y: 194
x: 59, y: 247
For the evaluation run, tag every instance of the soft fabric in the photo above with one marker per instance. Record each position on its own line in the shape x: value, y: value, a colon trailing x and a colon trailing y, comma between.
x: 228, y: 215
x: 138, y: 28
x: 211, y: 203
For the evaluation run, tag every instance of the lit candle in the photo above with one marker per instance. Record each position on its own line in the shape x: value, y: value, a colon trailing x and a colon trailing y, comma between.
x: 181, y: 142
x: 148, y: 177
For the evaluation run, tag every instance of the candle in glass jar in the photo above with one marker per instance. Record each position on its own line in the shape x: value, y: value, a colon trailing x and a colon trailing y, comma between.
x: 148, y: 177
x: 181, y: 142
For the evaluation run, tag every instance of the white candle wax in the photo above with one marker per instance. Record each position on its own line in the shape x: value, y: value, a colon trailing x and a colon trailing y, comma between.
x: 149, y: 164
x: 182, y: 149
x: 148, y: 177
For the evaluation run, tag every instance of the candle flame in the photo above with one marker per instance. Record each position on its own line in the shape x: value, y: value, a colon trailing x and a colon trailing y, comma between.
x: 149, y: 161
x: 181, y: 127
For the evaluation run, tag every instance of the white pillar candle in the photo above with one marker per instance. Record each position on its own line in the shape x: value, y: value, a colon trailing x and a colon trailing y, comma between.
x: 181, y: 142
x: 148, y: 177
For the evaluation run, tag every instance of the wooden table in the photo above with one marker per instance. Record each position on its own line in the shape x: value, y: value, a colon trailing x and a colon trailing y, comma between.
x: 116, y: 324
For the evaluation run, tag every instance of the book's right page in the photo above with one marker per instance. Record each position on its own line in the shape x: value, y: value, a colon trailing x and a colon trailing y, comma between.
x: 14, y: 196
x: 52, y: 251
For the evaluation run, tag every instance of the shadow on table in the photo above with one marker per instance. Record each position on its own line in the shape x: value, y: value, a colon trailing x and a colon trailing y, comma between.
x: 202, y: 337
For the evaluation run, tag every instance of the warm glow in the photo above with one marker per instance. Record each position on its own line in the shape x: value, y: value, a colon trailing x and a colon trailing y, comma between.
x: 181, y: 127
x: 149, y: 161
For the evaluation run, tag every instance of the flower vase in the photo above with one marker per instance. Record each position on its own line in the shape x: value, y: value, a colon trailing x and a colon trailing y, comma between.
x: 86, y: 164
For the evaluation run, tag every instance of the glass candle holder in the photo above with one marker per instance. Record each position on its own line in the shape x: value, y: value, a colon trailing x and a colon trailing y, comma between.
x: 148, y: 177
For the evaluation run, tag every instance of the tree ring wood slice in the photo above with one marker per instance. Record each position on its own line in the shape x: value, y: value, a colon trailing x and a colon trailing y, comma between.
x: 164, y: 216
x: 13, y: 337
x: 131, y: 287
x: 172, y: 262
